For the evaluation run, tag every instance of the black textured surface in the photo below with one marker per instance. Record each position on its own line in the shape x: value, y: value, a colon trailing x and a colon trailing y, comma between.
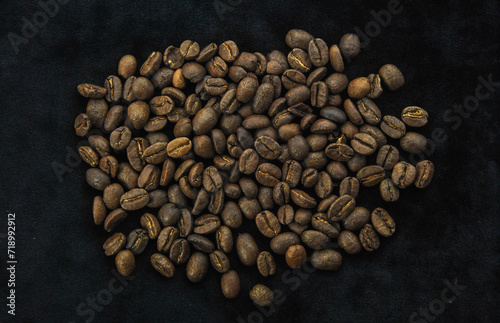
x: 449, y: 231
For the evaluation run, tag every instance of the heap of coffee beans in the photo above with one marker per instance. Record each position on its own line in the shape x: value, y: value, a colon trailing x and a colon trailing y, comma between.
x: 203, y: 139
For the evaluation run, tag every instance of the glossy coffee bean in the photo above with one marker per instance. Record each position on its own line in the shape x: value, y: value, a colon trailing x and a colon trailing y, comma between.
x: 370, y: 175
x: 125, y: 262
x: 393, y: 127
x: 162, y: 264
x: 295, y: 256
x: 388, y: 191
x: 201, y: 243
x: 341, y: 208
x: 403, y: 174
x: 150, y: 223
x: 414, y: 116
x: 357, y: 219
x: 114, y: 244
x: 230, y: 284
x: 197, y: 267
x: 363, y: 144
x: 268, y: 224
x: 137, y: 241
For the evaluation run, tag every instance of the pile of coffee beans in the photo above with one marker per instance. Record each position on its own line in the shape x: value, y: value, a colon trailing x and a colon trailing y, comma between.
x: 203, y: 139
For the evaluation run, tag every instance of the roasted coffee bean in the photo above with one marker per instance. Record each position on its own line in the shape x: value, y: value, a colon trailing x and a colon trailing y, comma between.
x: 317, y: 142
x: 337, y: 82
x: 128, y: 93
x: 96, y: 112
x: 349, y: 186
x: 268, y: 224
x: 413, y: 142
x: 247, y: 60
x: 298, y: 38
x: 268, y: 174
x: 414, y: 116
x: 324, y: 186
x: 297, y: 95
x: 113, y: 219
x: 295, y: 256
x: 185, y: 224
x: 387, y: 157
x: 325, y: 203
x: 157, y: 153
x: 261, y: 295
x: 267, y: 147
x: 125, y: 262
x: 120, y: 138
x: 356, y: 163
x: 161, y: 105
x: 341, y: 208
x: 314, y: 239
x: 112, y: 195
x: 388, y: 191
x: 334, y: 114
x: 82, y: 125
x: 166, y: 238
x: 369, y: 238
x: 263, y: 98
x: 162, y: 78
x: 349, y: 242
x: 92, y: 91
x: 216, y: 202
x: 99, y: 211
x: 302, y: 199
x: 249, y: 207
x: 393, y: 127
x: 224, y: 239
x: 403, y: 174
x: 326, y: 260
x: 376, y: 89
x: 291, y: 171
x: 201, y: 243
x: 247, y: 249
x: 310, y: 177
x: 216, y: 86
x: 298, y: 147
x: 150, y: 223
x: 206, y: 224
x: 114, y: 88
x: 231, y: 215
x: 249, y: 160
x: 197, y: 267
x: 134, y: 199
x: 370, y: 175
x: 127, y: 176
x: 157, y: 199
x: 180, y: 251
x: 143, y: 89
x: 168, y: 171
x: 353, y: 113
x: 219, y: 261
x: 348, y: 129
x: 292, y: 78
x: 383, y: 222
x: 229, y: 51
x: 137, y: 241
x: 318, y: 52
x: 175, y: 149
x: 212, y: 180
x: 376, y: 133
x: 230, y: 284
x: 425, y: 172
x: 336, y: 59
x: 127, y: 66
x: 172, y: 57
x: 247, y: 88
x: 357, y: 219
x: 320, y: 222
x: 369, y: 111
x: 350, y: 45
x: 266, y: 264
x: 89, y: 155
x: 156, y: 124
x: 176, y: 196
x: 207, y: 53
x: 114, y: 244
x: 339, y: 152
x: 363, y: 144
x: 249, y: 188
x: 149, y: 179
x: 256, y: 121
x: 359, y: 88
x: 281, y: 193
x: 303, y: 216
x: 162, y: 264
x: 203, y: 147
x: 299, y: 60
x: 99, y: 180
x: 392, y: 77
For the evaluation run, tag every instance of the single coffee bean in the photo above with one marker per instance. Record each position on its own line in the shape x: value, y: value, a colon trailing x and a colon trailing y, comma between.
x: 310, y: 177
x: 219, y: 261
x: 341, y: 208
x: 318, y: 52
x: 216, y: 204
x: 99, y: 211
x: 393, y: 127
x: 369, y: 111
x: 185, y: 224
x: 303, y: 216
x: 127, y: 176
x: 268, y: 174
x: 224, y: 239
x: 114, y: 244
x: 350, y: 45
x: 230, y: 284
x: 268, y: 224
x: 247, y: 249
x: 320, y: 222
x: 207, y: 53
x: 337, y: 82
x: 143, y: 89
x: 180, y: 251
x: 376, y: 133
x: 266, y: 264
x: 359, y: 88
x: 150, y: 223
x: 197, y: 267
x: 229, y: 51
x: 120, y: 138
x: 336, y: 59
x: 298, y: 147
x: 292, y: 78
x: 370, y: 175
x: 249, y: 207
x: 137, y: 241
x: 161, y: 105
x: 112, y: 195
x: 231, y: 215
x: 135, y: 153
x: 392, y: 77
x: 324, y: 186
x: 383, y: 222
x: 247, y: 88
x: 162, y: 78
x: 166, y: 238
x: 302, y: 199
x: 201, y: 243
x: 175, y: 149
x: 114, y: 88
x: 157, y: 199
x: 263, y: 98
x: 128, y: 93
x: 267, y: 147
x: 283, y: 241
x: 286, y: 214
x: 89, y: 155
x: 403, y: 174
x: 162, y: 264
x: 376, y: 89
x: 99, y: 180
x: 349, y: 186
x: 173, y: 58
x: 281, y: 193
x: 356, y: 163
x: 291, y: 171
x: 334, y: 114
x: 363, y: 144
x: 326, y: 260
x: 151, y: 64
x: 134, y: 199
x: 82, y: 125
x: 325, y: 203
x: 357, y: 219
x: 387, y: 157
x: 261, y: 295
x: 388, y: 191
x: 414, y: 116
x: 206, y: 224
x: 113, y: 219
x: 369, y: 238
x: 349, y: 242
x: 298, y: 38
x: 413, y: 142
x: 314, y: 239
x: 92, y: 91
x: 149, y: 179
x: 296, y: 95
x: 339, y: 152
x: 425, y: 172
x: 295, y: 256
x: 248, y: 187
x: 127, y: 66
x: 125, y: 262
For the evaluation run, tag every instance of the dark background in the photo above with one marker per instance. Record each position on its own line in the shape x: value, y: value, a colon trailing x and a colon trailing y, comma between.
x: 448, y: 232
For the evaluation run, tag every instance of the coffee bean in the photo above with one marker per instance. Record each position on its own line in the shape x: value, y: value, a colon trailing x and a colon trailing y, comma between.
x: 339, y: 152
x: 370, y: 175
x: 125, y: 262
x: 357, y: 219
x: 82, y: 125
x: 369, y: 111
x: 413, y: 142
x: 224, y: 239
x: 320, y: 222
x: 359, y: 88
x: 414, y: 116
x: 166, y: 238
x: 393, y: 127
x: 318, y: 52
x: 383, y: 222
x: 247, y: 249
x: 314, y: 239
x: 425, y: 172
x: 99, y: 211
x: 341, y: 208
x: 349, y: 242
x: 229, y: 51
x: 336, y: 59
x: 376, y: 133
x: 363, y: 144
x: 89, y: 155
x: 230, y: 284
x: 392, y: 77
x: 349, y: 186
x: 112, y: 195
x: 134, y: 199
x: 114, y: 244
x: 197, y: 267
x: 162, y: 264
x: 281, y: 193
x: 334, y: 114
x: 113, y: 219
x: 185, y: 224
x: 157, y: 199
x: 310, y: 177
x: 180, y: 251
x: 268, y: 174
x: 98, y: 179
x: 114, y: 88
x: 201, y: 243
x: 297, y: 95
x: 266, y: 264
x: 350, y: 45
x: 388, y: 191
x: 326, y: 260
x: 369, y: 238
x: 324, y: 186
x: 403, y: 174
x: 206, y: 224
x: 325, y: 203
x: 387, y: 157
x: 263, y: 98
x: 92, y: 91
x: 261, y: 295
x: 204, y: 121
x: 219, y: 261
x: 298, y: 38
x: 268, y: 224
x: 175, y: 149
x: 376, y: 89
x: 295, y: 256
x: 302, y: 199
x: 137, y: 241
x: 150, y: 223
x: 298, y: 147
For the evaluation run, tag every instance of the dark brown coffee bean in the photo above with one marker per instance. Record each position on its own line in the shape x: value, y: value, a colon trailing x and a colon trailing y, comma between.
x: 414, y: 116
x: 339, y: 152
x: 324, y: 186
x: 425, y: 172
x: 349, y: 242
x: 134, y: 199
x: 341, y: 208
x: 207, y: 53
x: 299, y: 60
x: 325, y: 203
x: 363, y: 144
x: 219, y: 261
x: 125, y: 262
x: 249, y: 161
x: 310, y: 177
x: 369, y: 111
x: 206, y: 224
x: 403, y: 174
x: 229, y: 51
x: 336, y: 59
x: 185, y: 224
x: 166, y: 238
x: 216, y: 86
x: 111, y: 196
x: 349, y: 186
x: 137, y: 241
x: 162, y: 77
x: 303, y: 216
x: 292, y: 78
x: 266, y: 264
x: 291, y: 171
x: 201, y: 243
x: 263, y: 98
x: 204, y: 121
x: 142, y: 89
x: 128, y: 93
x: 231, y: 215
x: 114, y: 88
x: 230, y: 284
x: 369, y: 238
x: 249, y: 207
x: 315, y: 160
x: 89, y: 155
x: 298, y: 38
x: 357, y: 219
x: 388, y: 191
x: 172, y: 57
x: 295, y: 256
x: 326, y: 260
x: 162, y: 264
x: 157, y: 199
x: 392, y: 77
x: 91, y: 91
x: 247, y: 88
x: 120, y: 138
x: 82, y: 125
x: 350, y: 45
x: 127, y: 66
x: 149, y: 179
x: 268, y: 174
x: 212, y: 180
x: 376, y: 133
x: 383, y: 222
x: 261, y: 295
x: 353, y: 113
x: 314, y: 239
x: 114, y: 244
x: 320, y: 222
x: 247, y: 249
x: 113, y: 219
x: 174, y: 149
x: 156, y: 124
x: 297, y: 228
x: 180, y: 251
x: 298, y: 147
x: 96, y: 112
x: 318, y: 52
x: 337, y: 83
x: 302, y: 199
x: 268, y: 224
x: 370, y: 175
x: 99, y: 180
x: 297, y: 95
x: 413, y: 142
x: 197, y: 267
x: 224, y: 239
x: 393, y: 127
x: 387, y: 157
x: 376, y: 89
x: 169, y: 214
x: 150, y: 223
